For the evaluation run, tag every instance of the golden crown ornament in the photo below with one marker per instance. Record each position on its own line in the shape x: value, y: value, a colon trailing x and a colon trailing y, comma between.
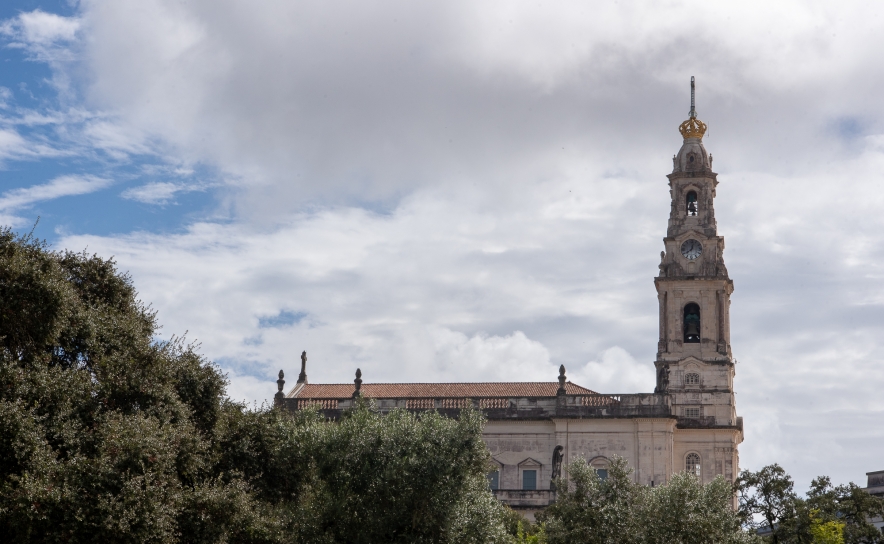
x: 692, y: 128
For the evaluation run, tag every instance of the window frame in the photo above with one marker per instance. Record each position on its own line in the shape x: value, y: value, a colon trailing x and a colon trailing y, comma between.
x: 696, y: 466
x: 530, y: 464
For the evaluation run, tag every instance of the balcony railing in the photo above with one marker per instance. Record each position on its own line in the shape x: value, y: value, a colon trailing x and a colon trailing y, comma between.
x: 589, y: 406
x: 524, y: 498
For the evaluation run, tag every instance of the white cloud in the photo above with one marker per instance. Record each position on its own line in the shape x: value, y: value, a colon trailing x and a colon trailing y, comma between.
x: 11, y: 143
x: 14, y: 146
x: 117, y: 140
x: 5, y: 96
x: 45, y: 35
x: 39, y: 27
x: 617, y: 371
x: 152, y: 193
x: 514, y: 357
x: 369, y: 103
x: 160, y: 192
x: 59, y: 187
x: 512, y: 158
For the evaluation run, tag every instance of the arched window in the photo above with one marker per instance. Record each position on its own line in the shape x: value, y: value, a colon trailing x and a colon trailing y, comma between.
x: 692, y: 324
x: 692, y: 464
x: 600, y: 465
x: 692, y: 379
x: 691, y: 202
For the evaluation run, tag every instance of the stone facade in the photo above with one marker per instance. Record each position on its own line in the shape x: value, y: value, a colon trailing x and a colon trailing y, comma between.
x: 688, y: 423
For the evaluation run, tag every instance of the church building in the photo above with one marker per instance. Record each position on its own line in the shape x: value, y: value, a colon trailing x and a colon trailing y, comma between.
x: 689, y: 423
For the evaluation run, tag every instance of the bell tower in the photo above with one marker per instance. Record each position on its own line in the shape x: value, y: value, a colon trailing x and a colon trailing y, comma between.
x: 694, y: 362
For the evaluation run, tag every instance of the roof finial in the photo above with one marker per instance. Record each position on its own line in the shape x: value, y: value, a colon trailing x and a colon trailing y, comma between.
x: 562, y: 379
x: 358, y: 382
x: 280, y: 383
x: 693, y: 113
x: 302, y: 377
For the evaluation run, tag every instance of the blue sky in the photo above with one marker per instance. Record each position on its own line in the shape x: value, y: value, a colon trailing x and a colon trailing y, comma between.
x: 51, y: 118
x: 455, y: 191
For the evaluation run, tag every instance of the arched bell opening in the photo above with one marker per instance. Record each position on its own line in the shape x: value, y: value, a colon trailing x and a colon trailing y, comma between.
x: 691, y: 202
x: 692, y: 324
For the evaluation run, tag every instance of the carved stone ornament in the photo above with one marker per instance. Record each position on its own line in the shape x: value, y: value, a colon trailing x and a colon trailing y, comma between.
x: 302, y: 377
x: 358, y: 383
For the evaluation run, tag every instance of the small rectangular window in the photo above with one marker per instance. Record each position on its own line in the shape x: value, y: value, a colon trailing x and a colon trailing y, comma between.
x: 692, y: 412
x: 529, y: 479
x: 494, y: 480
x: 603, y: 473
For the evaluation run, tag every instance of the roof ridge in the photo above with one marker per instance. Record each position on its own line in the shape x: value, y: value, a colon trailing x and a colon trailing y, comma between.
x: 435, y: 383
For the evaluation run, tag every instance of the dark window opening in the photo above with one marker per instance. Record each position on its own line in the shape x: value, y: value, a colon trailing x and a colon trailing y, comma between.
x: 691, y: 201
x: 529, y: 479
x: 692, y: 324
x: 602, y: 473
x: 494, y: 480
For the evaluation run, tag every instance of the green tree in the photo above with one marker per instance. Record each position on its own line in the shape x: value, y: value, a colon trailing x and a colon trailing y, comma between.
x: 826, y: 532
x: 848, y: 506
x: 107, y: 434
x: 592, y: 510
x: 827, y: 513
x: 686, y: 511
x: 767, y: 500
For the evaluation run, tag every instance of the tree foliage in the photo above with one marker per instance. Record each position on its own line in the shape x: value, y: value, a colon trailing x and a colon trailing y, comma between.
x: 836, y: 514
x: 107, y: 434
x: 616, y: 510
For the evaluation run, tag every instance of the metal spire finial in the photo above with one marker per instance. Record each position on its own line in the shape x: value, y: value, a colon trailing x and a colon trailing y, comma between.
x: 693, y: 127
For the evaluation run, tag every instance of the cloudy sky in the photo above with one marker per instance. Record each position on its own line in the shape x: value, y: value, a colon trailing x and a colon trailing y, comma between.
x: 470, y: 191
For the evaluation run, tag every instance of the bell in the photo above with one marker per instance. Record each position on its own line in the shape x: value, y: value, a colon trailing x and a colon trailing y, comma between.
x: 692, y: 329
x: 692, y: 208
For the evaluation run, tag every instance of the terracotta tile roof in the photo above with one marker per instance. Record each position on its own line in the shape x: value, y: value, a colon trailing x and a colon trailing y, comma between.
x: 439, y: 390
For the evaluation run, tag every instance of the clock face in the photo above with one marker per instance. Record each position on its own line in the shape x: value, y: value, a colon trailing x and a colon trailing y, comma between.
x: 691, y: 249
